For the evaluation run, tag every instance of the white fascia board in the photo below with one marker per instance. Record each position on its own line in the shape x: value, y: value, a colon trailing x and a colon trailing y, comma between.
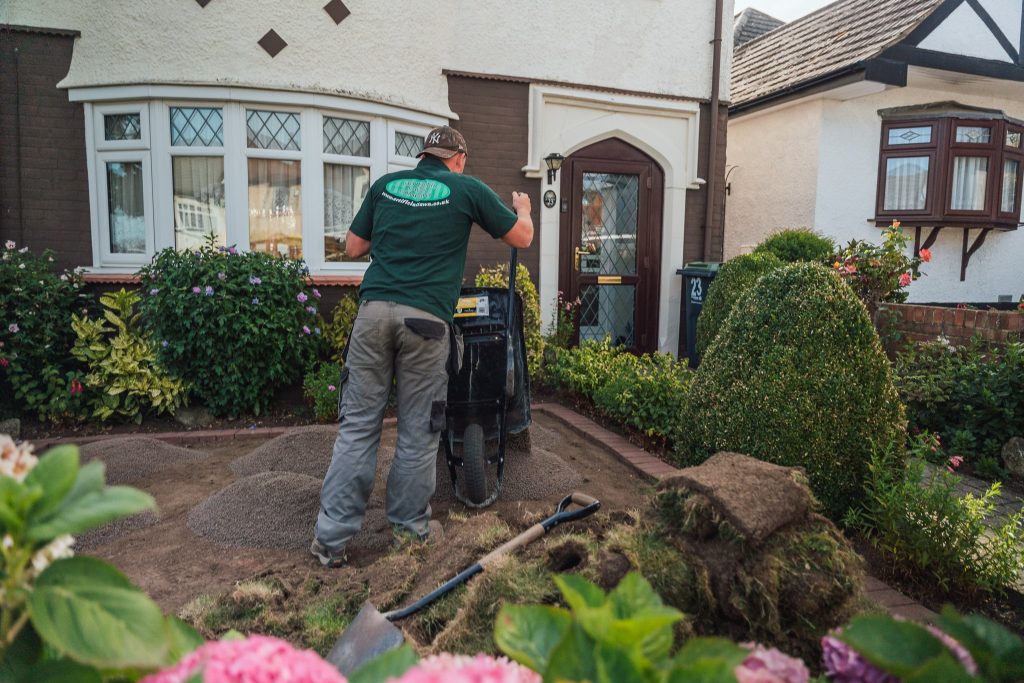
x: 255, y: 95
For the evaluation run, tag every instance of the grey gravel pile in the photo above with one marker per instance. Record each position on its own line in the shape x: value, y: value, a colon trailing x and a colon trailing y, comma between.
x: 266, y: 510
x: 528, y: 476
x: 131, y: 459
x: 110, y: 532
x: 304, y: 450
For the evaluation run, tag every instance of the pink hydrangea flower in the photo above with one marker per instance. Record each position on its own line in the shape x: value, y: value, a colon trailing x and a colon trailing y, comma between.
x: 768, y: 665
x: 905, y: 279
x: 448, y: 668
x: 257, y: 659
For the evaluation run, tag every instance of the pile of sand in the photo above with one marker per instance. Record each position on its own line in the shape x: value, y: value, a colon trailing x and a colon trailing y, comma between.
x: 131, y: 459
x: 304, y: 450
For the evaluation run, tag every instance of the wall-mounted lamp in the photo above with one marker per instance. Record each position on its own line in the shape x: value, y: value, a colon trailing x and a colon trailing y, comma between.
x: 554, y: 162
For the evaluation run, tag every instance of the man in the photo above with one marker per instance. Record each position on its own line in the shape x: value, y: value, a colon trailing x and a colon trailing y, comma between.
x: 415, y: 225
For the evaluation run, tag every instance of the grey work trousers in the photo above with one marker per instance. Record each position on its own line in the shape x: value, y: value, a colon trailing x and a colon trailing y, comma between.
x: 382, y: 346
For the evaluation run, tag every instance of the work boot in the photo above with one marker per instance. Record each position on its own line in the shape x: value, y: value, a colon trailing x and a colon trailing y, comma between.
x: 403, y: 536
x: 328, y: 558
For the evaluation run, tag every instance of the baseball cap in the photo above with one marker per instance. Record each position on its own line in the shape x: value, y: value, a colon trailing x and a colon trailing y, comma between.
x: 444, y: 142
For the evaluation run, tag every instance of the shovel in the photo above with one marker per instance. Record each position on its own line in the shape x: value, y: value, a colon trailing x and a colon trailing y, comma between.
x: 372, y: 633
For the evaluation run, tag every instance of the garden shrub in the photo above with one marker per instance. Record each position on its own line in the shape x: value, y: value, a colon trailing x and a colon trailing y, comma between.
x: 237, y: 326
x: 922, y: 524
x: 880, y: 273
x: 736, y: 277
x: 797, y: 244
x: 338, y: 330
x: 498, y: 277
x: 563, y: 325
x: 36, y: 334
x: 972, y: 396
x: 320, y: 386
x: 797, y: 376
x: 123, y: 376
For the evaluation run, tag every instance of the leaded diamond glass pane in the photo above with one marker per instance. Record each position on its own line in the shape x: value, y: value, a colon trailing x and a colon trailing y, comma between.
x: 975, y: 135
x: 1013, y: 139
x: 608, y: 311
x: 122, y: 127
x: 197, y: 127
x: 272, y: 129
x: 610, y: 212
x: 916, y: 135
x: 344, y: 136
x: 408, y: 145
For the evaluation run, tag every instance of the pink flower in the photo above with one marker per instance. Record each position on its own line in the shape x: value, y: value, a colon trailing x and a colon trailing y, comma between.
x: 771, y: 666
x: 331, y: 387
x: 13, y: 328
x: 316, y: 293
x: 301, y: 296
x: 197, y: 290
x: 448, y: 668
x: 257, y: 659
x: 306, y: 330
x: 925, y: 254
x: 4, y: 363
x: 954, y: 463
x: 905, y: 279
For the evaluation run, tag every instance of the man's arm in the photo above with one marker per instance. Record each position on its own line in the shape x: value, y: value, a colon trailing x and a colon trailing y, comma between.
x: 520, y: 235
x: 356, y: 246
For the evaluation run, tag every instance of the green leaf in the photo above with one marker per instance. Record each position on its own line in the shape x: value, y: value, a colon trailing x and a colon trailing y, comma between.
x: 634, y: 595
x: 698, y: 650
x: 898, y: 647
x: 91, y: 511
x: 20, y: 657
x: 942, y: 668
x: 998, y: 653
x: 391, y: 664
x: 62, y: 671
x: 703, y: 671
x: 55, y: 473
x: 579, y: 593
x: 614, y: 665
x: 182, y: 640
x: 651, y: 633
x: 91, y: 478
x: 529, y: 633
x: 87, y: 609
x: 573, y: 658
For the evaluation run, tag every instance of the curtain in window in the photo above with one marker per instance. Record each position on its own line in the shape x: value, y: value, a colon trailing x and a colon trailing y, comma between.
x: 1011, y: 168
x: 906, y: 183
x: 275, y: 208
x: 344, y: 190
x: 970, y: 177
x: 125, y: 204
x: 198, y: 201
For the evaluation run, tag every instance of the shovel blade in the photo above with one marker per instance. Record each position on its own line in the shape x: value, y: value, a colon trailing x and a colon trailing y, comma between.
x: 368, y: 636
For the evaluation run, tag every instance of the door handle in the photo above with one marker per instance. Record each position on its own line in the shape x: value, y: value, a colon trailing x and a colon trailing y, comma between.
x: 579, y: 252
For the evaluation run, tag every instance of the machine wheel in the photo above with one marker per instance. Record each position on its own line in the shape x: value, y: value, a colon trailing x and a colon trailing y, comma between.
x: 474, y: 463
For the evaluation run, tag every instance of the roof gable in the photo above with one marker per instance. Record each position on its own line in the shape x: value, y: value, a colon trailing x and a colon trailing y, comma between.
x: 752, y: 23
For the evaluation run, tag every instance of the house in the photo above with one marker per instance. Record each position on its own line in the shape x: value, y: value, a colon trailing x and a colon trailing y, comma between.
x: 752, y: 23
x: 126, y: 128
x: 870, y: 111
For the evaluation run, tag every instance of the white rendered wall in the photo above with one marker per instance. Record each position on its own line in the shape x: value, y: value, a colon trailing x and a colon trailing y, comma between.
x: 772, y: 162
x: 390, y: 51
x: 842, y: 192
x: 964, y: 32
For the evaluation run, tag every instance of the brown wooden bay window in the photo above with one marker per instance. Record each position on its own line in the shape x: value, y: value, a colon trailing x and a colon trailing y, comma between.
x: 959, y: 169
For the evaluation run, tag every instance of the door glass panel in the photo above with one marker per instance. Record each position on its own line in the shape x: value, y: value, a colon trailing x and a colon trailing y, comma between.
x: 198, y: 201
x: 610, y: 212
x: 608, y: 311
x: 906, y: 183
x: 275, y: 209
x: 970, y: 176
x: 125, y: 205
x: 1008, y: 200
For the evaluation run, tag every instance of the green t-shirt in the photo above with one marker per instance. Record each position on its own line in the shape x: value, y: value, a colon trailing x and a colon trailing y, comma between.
x: 418, y: 224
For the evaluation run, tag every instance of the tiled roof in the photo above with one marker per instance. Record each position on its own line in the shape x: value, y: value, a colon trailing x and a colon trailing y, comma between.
x: 823, y: 42
x: 752, y: 23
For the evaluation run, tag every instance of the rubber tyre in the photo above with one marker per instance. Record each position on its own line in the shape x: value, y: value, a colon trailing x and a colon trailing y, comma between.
x: 474, y: 463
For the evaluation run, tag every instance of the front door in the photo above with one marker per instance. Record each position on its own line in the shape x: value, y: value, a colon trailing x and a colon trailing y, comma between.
x: 611, y: 242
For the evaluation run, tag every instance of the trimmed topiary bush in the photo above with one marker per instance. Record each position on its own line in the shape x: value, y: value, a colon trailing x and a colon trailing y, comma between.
x: 797, y: 376
x: 498, y: 277
x: 733, y: 281
x: 798, y: 244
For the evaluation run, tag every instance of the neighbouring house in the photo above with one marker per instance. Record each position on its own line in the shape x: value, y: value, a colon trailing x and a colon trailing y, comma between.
x: 752, y: 23
x: 130, y: 127
x: 869, y: 111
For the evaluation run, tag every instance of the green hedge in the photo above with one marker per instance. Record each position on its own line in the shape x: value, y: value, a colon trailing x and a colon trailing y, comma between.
x: 733, y: 281
x: 798, y: 244
x: 797, y: 376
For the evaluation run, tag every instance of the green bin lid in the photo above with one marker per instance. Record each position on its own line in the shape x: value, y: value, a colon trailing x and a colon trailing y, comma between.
x: 700, y: 268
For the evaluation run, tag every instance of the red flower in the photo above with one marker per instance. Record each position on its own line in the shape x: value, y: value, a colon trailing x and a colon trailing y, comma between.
x: 925, y: 254
x: 4, y: 362
x: 76, y: 387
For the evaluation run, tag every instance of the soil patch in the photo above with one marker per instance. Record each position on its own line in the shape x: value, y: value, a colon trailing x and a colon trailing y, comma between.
x: 259, y: 524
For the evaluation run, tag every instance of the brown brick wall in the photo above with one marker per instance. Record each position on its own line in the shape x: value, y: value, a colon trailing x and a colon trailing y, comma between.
x: 493, y: 116
x: 44, y: 186
x: 927, y: 323
x: 696, y: 200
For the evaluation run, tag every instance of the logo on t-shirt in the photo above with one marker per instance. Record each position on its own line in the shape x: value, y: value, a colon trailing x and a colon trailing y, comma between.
x: 417, y: 192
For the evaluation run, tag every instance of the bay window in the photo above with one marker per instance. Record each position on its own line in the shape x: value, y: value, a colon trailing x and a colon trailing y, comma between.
x: 957, y: 169
x: 283, y: 173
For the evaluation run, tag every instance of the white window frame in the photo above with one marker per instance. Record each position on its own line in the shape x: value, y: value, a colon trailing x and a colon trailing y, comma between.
x: 153, y: 104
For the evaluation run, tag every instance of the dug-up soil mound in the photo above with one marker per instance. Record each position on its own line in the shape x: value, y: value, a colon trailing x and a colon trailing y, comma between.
x: 303, y: 450
x: 132, y: 459
x: 753, y: 559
